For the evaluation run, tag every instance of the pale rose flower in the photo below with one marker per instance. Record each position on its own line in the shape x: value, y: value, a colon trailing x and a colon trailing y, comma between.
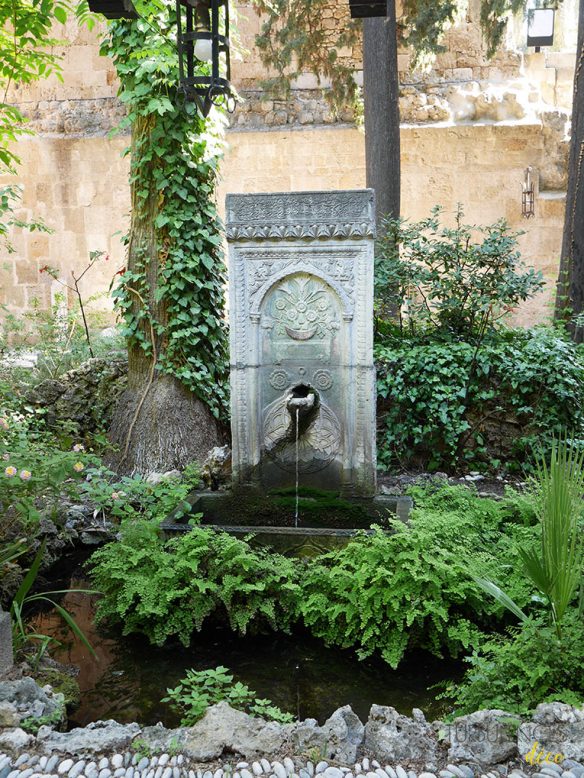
x: 78, y: 467
x: 115, y: 496
x: 10, y: 471
x: 79, y: 447
x: 25, y: 475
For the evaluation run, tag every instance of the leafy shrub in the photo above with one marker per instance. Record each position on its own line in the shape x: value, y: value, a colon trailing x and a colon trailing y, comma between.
x: 450, y: 404
x: 36, y: 467
x: 529, y: 666
x: 388, y: 593
x: 198, y: 690
x: 169, y: 588
x: 458, y: 280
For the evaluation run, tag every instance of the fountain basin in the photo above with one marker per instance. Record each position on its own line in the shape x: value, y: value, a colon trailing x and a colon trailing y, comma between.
x: 327, y: 521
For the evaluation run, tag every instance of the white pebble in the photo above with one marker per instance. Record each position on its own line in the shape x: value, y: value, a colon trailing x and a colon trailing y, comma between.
x: 103, y: 763
x: 280, y: 770
x: 256, y: 768
x: 321, y: 767
x: 288, y: 764
x: 117, y: 760
x: 400, y: 772
x: 65, y: 766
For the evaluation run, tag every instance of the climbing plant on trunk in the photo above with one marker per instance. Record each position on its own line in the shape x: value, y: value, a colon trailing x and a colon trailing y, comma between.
x: 170, y: 295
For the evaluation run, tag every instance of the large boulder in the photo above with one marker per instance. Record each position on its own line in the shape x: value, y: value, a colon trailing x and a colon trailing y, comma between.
x: 96, y: 738
x: 555, y: 727
x: 339, y: 738
x: 224, y: 729
x: 486, y: 737
x: 392, y: 737
x: 31, y: 702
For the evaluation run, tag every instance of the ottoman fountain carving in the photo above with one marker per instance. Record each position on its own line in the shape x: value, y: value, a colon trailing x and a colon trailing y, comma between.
x: 301, y: 322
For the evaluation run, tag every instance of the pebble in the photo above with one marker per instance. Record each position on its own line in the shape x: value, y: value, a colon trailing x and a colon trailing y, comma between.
x: 167, y: 773
x: 279, y: 770
x: 321, y: 767
x: 556, y: 768
x: 256, y: 768
x: 358, y: 768
x: 119, y: 772
x: 64, y: 767
x: 266, y: 766
x: 568, y: 774
x: 400, y: 772
x: 218, y: 773
x: 77, y: 769
x: 289, y: 765
x: 241, y: 765
x: 245, y: 773
x: 375, y: 764
x: 142, y: 764
x: 390, y: 771
x: 51, y: 764
x: 332, y: 772
x: 304, y: 773
x: 105, y: 773
x: 103, y: 763
x: 381, y: 773
x: 129, y: 772
x: 455, y: 770
x: 365, y: 763
x: 426, y: 775
x: 26, y: 773
x: 163, y: 760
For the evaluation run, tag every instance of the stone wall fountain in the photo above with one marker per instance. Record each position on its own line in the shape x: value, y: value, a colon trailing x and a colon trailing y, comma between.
x: 302, y: 370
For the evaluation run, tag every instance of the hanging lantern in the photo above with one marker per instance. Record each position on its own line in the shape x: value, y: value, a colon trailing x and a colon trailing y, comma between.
x: 528, y: 196
x: 362, y: 8
x: 540, y: 27
x: 203, y: 37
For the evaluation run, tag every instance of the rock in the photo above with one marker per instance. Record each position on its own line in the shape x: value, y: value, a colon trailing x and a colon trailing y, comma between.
x: 557, y: 728
x: 393, y: 737
x: 12, y: 741
x: 6, y: 658
x: 8, y: 715
x: 224, y: 729
x: 216, y: 469
x: 32, y: 701
x: 338, y: 739
x: 332, y: 772
x: 279, y: 770
x: 486, y: 737
x: 320, y: 767
x: 97, y: 737
x: 156, y: 478
x: 65, y: 766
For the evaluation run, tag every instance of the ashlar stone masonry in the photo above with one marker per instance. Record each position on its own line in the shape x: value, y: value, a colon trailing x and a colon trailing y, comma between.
x: 301, y: 312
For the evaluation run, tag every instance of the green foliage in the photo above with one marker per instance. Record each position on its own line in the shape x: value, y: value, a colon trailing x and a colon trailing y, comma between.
x: 455, y: 280
x: 173, y: 172
x: 554, y: 567
x: 132, y: 497
x: 529, y: 666
x: 446, y: 404
x: 200, y: 689
x: 293, y: 41
x: 169, y: 588
x: 36, y: 468
x: 414, y: 588
x: 22, y: 636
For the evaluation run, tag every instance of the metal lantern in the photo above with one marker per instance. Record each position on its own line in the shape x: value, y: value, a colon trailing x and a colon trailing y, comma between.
x: 203, y: 36
x: 362, y: 8
x: 540, y: 27
x: 113, y: 9
x: 528, y: 196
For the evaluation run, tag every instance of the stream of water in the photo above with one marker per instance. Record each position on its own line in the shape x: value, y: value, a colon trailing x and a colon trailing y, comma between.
x: 297, y: 672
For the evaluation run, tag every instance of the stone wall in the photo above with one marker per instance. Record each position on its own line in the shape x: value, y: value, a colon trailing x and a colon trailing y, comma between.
x: 470, y: 127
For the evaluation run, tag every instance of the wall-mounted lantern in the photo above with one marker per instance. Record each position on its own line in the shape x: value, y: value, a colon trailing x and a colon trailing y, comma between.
x: 528, y: 196
x: 362, y: 8
x: 203, y: 37
x: 540, y: 27
x: 113, y: 9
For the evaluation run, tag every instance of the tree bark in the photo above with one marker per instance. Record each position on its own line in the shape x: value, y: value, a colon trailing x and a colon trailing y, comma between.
x: 381, y: 94
x: 158, y: 424
x: 570, y: 286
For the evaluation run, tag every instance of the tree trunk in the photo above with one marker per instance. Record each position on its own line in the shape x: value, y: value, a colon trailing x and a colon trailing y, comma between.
x: 381, y: 94
x: 570, y: 287
x: 158, y: 425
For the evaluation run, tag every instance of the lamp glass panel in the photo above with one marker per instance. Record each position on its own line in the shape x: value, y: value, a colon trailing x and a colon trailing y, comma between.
x: 540, y: 23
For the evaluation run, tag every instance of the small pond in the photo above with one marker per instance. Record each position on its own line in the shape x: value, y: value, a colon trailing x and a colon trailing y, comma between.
x: 297, y: 672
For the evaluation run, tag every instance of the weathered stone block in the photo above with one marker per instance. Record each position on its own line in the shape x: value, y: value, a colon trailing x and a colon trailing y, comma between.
x: 6, y: 657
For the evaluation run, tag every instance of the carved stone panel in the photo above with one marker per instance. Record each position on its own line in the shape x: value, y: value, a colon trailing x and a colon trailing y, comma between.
x: 301, y: 317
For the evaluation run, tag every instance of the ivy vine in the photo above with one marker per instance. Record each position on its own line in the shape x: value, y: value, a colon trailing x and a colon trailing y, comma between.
x: 173, y: 287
